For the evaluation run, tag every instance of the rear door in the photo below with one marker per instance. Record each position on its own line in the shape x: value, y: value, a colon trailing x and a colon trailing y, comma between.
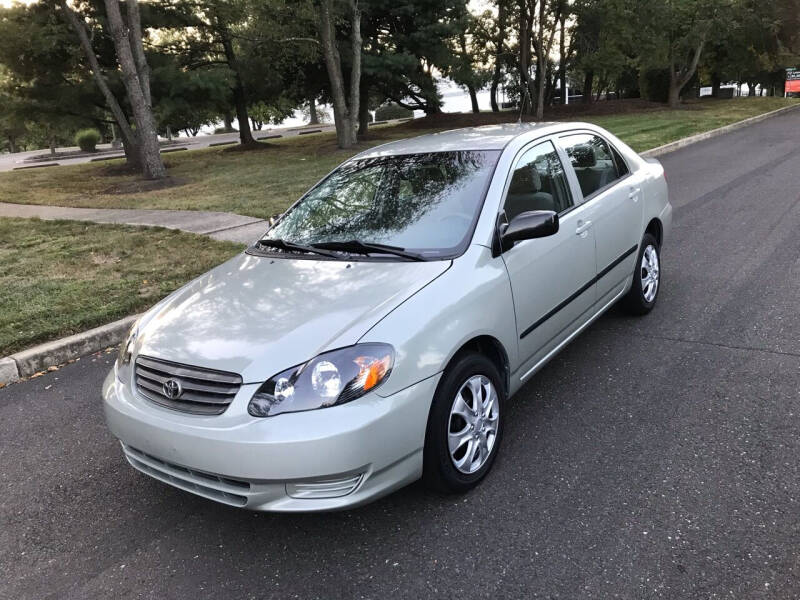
x: 608, y: 185
x: 552, y: 278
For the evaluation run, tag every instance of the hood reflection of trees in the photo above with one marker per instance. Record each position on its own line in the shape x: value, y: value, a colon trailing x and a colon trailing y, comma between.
x: 376, y: 199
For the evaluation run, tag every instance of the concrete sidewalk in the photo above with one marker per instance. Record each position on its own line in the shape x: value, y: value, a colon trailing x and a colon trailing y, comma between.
x: 217, y: 225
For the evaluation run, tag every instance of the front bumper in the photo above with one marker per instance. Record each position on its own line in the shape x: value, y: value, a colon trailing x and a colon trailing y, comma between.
x: 281, y: 463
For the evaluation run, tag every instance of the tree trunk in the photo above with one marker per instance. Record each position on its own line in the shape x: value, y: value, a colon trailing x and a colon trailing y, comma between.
x: 679, y: 78
x: 345, y: 117
x: 130, y: 139
x: 674, y: 97
x: 227, y: 120
x: 239, y: 93
x: 473, y: 98
x: 588, y: 84
x: 716, y: 84
x: 133, y: 154
x: 152, y: 164
x: 541, y: 85
x: 363, y: 111
x: 500, y: 40
x: 543, y: 45
x: 493, y: 92
x: 562, y: 53
x: 312, y: 112
x: 136, y: 42
x: 12, y: 144
x: 527, y: 92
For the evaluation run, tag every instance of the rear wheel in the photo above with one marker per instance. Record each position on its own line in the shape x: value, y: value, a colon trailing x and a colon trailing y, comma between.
x: 642, y: 296
x: 464, y: 425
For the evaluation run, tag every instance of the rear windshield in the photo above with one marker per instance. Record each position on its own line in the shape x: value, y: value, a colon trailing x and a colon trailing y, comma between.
x: 426, y: 203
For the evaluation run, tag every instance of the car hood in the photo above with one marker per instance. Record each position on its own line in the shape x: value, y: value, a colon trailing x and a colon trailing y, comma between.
x: 257, y: 315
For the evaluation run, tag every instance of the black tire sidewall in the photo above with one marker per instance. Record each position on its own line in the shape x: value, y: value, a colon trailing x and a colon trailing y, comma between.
x: 438, y: 469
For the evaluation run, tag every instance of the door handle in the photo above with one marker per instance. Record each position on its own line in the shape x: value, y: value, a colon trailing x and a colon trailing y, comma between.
x: 583, y: 227
x: 634, y: 195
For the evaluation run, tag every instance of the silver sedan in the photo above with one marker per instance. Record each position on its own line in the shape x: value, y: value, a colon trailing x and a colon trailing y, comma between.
x: 376, y: 332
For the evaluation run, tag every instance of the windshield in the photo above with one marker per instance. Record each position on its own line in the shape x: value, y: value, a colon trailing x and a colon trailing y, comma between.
x: 425, y: 203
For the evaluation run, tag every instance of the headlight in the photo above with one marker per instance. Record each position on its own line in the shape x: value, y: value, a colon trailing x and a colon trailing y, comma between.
x: 331, y: 378
x: 125, y: 354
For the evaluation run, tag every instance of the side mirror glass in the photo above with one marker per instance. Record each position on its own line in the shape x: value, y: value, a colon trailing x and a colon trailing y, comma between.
x: 528, y: 225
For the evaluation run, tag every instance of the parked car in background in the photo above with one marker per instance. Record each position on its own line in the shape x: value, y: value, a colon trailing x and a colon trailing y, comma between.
x: 376, y: 332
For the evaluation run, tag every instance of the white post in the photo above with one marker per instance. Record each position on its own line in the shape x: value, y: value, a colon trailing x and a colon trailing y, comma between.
x: 566, y: 91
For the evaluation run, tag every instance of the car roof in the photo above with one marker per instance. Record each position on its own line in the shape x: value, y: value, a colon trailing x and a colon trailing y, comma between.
x: 484, y: 137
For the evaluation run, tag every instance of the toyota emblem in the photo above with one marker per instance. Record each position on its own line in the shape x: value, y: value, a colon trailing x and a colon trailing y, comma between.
x: 172, y: 389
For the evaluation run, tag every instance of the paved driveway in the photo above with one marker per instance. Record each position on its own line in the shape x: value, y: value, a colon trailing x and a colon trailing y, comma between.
x: 655, y: 457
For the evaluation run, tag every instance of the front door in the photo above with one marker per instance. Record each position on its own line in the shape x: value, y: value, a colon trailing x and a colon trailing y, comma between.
x: 552, y: 278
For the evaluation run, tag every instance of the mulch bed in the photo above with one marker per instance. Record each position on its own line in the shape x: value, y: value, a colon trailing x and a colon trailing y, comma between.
x: 138, y: 186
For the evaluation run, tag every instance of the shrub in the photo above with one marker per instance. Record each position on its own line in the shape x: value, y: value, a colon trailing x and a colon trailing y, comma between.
x: 392, y: 111
x: 87, y: 139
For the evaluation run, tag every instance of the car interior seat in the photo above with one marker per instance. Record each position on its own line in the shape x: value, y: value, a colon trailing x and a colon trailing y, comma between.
x: 525, y: 193
x: 592, y: 173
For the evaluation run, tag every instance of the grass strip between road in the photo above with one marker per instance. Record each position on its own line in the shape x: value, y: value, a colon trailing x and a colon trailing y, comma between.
x: 62, y: 277
x: 264, y: 182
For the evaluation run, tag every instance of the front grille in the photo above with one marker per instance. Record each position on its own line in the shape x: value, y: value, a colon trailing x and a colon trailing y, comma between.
x: 202, y: 391
x: 216, y: 487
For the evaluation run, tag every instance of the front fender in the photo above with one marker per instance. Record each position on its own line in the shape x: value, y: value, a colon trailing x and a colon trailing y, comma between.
x: 473, y: 298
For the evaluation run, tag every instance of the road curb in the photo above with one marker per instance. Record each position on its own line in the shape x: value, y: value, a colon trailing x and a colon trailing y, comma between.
x: 693, y: 139
x: 26, y: 363
x: 8, y: 371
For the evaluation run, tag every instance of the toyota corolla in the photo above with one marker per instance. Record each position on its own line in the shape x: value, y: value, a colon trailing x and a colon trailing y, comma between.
x: 374, y: 335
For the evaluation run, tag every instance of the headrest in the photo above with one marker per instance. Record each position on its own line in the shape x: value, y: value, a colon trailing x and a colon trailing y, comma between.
x: 525, y: 180
x: 583, y: 155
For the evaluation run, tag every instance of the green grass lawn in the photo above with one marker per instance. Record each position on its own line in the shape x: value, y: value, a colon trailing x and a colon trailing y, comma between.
x: 264, y: 182
x: 62, y: 277
x: 651, y: 129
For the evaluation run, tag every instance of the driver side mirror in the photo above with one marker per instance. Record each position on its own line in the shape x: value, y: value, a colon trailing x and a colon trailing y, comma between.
x: 528, y: 225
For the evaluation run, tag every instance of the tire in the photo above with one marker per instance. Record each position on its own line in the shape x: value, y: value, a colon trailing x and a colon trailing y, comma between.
x: 641, y: 298
x: 466, y: 373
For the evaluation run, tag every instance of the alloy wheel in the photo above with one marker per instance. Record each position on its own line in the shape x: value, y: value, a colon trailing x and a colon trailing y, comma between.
x: 472, y: 427
x: 649, y: 273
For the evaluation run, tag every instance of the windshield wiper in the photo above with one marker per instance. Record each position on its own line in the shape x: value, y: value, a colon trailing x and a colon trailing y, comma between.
x: 292, y: 247
x: 359, y: 247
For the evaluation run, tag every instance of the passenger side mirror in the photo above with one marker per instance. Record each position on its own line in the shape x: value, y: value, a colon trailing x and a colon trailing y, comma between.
x: 528, y: 225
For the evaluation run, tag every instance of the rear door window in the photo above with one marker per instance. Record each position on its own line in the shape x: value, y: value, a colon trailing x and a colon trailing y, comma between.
x: 593, y: 161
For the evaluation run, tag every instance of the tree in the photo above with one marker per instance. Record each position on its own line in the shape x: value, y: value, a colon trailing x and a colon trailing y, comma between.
x: 470, y: 55
x: 45, y: 95
x: 406, y: 44
x: 545, y: 30
x: 500, y: 54
x: 538, y: 22
x: 673, y: 35
x: 345, y: 105
x: 604, y: 42
x: 129, y: 45
x: 141, y: 142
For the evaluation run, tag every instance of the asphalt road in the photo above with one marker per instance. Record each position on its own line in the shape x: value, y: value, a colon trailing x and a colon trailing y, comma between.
x: 656, y: 457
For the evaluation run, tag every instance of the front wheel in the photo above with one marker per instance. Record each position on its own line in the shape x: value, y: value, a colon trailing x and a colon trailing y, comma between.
x: 641, y: 298
x: 464, y: 426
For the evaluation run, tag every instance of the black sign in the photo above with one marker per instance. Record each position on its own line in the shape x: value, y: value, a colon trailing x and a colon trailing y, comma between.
x: 792, y: 74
